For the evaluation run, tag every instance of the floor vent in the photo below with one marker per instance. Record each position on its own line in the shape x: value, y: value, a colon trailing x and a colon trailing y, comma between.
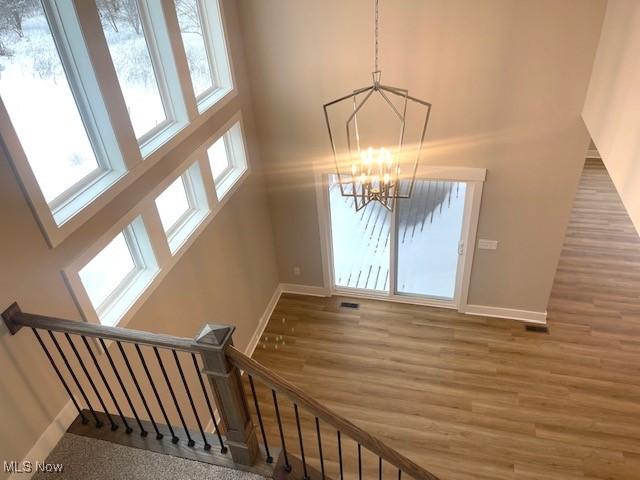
x: 349, y: 305
x: 537, y: 328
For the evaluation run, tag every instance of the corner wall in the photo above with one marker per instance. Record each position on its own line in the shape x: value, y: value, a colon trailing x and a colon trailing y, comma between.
x: 612, y: 109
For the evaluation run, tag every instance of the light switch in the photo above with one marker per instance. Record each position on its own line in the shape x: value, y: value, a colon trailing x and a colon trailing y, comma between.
x: 484, y: 244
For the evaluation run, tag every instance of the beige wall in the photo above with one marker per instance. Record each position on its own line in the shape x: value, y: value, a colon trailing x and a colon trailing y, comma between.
x: 612, y: 108
x: 507, y: 80
x: 227, y: 276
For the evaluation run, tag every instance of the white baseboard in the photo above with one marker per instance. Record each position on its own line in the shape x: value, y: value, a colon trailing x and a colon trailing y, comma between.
x: 305, y: 290
x: 264, y: 320
x: 593, y: 154
x: 49, y: 439
x: 508, y: 313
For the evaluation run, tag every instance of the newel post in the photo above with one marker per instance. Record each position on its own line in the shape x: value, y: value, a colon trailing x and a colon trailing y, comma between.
x: 227, y: 388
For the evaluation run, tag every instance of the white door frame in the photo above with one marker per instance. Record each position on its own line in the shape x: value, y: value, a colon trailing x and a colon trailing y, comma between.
x: 473, y: 177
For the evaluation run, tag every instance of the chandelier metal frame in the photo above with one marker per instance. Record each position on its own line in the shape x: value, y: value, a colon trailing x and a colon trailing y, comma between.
x: 384, y: 192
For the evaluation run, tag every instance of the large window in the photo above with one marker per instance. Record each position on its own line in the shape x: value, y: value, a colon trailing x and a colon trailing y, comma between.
x: 203, y: 38
x: 63, y: 83
x: 132, y: 52
x: 54, y: 105
x: 117, y: 274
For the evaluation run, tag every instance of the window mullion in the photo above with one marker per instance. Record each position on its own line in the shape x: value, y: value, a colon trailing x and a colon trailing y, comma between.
x: 96, y: 45
x: 161, y: 48
x: 180, y: 59
x: 156, y: 233
x: 208, y: 43
x: 207, y: 180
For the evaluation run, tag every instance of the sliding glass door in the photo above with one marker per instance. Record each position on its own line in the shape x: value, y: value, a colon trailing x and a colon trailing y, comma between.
x: 428, y: 230
x: 360, y: 242
x: 424, y: 231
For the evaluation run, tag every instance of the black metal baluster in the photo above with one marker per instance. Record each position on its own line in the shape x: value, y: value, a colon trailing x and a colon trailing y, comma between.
x: 223, y: 449
x: 264, y: 436
x: 320, y: 447
x: 144, y: 400
x: 190, y: 441
x: 359, y: 462
x: 304, y: 462
x: 379, y: 468
x: 340, y: 455
x: 399, y: 474
x: 207, y: 445
x: 287, y: 465
x: 128, y: 429
x: 174, y: 439
x: 75, y: 379
x: 143, y: 432
x: 64, y: 383
x: 114, y: 426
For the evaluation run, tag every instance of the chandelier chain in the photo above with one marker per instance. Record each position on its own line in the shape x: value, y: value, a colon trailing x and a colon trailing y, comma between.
x: 376, y: 35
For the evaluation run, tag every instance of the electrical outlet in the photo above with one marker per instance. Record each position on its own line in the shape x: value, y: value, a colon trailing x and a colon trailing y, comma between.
x: 484, y: 244
x: 296, y: 271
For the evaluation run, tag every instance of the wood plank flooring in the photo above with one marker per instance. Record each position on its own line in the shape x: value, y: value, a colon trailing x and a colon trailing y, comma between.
x: 479, y: 398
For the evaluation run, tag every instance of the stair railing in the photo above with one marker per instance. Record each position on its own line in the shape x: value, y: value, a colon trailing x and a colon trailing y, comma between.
x: 342, y: 426
x: 212, y: 354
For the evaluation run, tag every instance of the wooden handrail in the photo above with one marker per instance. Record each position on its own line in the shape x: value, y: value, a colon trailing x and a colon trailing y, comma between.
x: 15, y: 319
x: 298, y: 396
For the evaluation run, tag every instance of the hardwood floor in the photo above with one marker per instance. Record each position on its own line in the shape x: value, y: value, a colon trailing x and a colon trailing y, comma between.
x: 480, y: 398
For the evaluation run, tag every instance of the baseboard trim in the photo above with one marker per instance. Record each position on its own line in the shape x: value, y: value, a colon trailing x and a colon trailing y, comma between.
x: 49, y: 439
x: 305, y: 290
x: 264, y: 320
x: 528, y: 316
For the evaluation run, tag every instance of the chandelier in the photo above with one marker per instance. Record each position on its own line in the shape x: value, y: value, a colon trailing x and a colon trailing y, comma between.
x: 382, y: 173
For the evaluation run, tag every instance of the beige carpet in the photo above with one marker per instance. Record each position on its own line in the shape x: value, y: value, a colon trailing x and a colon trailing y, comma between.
x: 85, y: 458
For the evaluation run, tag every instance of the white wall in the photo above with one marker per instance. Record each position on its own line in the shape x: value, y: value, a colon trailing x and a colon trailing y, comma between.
x: 612, y: 108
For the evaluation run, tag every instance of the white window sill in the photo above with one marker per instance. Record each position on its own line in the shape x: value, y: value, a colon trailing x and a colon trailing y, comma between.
x: 80, y: 200
x: 161, y: 138
x: 180, y: 236
x: 211, y: 99
x: 117, y: 308
x: 225, y: 185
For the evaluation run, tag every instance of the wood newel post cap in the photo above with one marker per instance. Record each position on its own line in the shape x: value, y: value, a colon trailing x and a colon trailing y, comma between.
x: 8, y: 316
x: 216, y: 335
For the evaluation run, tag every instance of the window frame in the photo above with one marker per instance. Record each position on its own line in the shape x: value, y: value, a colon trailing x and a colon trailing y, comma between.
x: 132, y: 162
x: 213, y: 27
x: 199, y: 205
x: 120, y: 302
x: 157, y: 241
x: 156, y: 31
x: 238, y: 165
x: 66, y: 31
